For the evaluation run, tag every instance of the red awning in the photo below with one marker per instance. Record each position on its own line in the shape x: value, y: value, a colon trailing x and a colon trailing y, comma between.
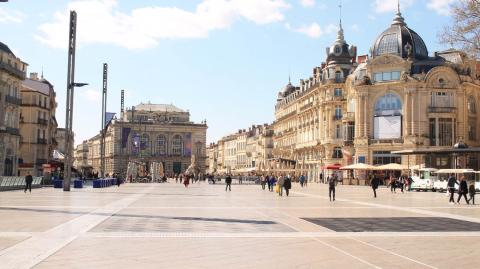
x: 332, y: 166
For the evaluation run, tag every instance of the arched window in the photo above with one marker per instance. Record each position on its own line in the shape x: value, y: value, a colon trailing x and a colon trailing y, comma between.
x: 388, y: 105
x: 161, y: 146
x: 387, y: 117
x: 472, y: 108
x: 177, y: 145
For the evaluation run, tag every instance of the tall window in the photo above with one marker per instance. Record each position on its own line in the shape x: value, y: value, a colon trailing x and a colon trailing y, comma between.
x: 338, y: 76
x: 387, y: 117
x: 472, y: 109
x: 441, y: 133
x: 177, y: 145
x: 338, y: 131
x: 338, y: 112
x: 161, y: 147
x: 337, y: 153
x: 337, y: 92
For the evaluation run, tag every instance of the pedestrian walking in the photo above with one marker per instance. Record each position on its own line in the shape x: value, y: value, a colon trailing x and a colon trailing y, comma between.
x: 271, y: 182
x: 401, y: 182
x: 287, y: 185
x: 302, y: 180
x: 228, y: 182
x: 451, y: 187
x: 462, y: 190
x: 393, y: 185
x: 240, y: 179
x: 332, y: 183
x: 471, y: 192
x: 280, y: 183
x: 119, y: 181
x: 186, y: 180
x: 264, y: 181
x: 28, y: 182
x: 374, y: 183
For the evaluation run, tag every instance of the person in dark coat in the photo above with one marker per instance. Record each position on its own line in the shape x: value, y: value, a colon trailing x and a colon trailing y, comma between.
x: 228, y: 181
x: 287, y: 184
x: 374, y: 183
x: 462, y: 190
x: 332, y: 183
x: 28, y: 182
x: 186, y: 180
x: 451, y: 187
x: 471, y: 192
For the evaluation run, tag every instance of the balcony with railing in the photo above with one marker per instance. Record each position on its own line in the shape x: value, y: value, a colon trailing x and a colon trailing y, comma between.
x: 348, y: 116
x: 13, y: 100
x: 42, y: 121
x: 438, y: 109
x: 337, y: 117
x: 12, y: 70
x: 385, y: 141
x: 41, y: 141
x: 13, y: 131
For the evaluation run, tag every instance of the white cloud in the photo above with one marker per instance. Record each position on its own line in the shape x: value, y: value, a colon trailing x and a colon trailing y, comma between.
x: 10, y: 15
x: 100, y: 21
x: 442, y: 7
x: 355, y: 27
x: 331, y: 28
x: 313, y: 30
x: 383, y: 6
x: 91, y: 95
x: 307, y: 3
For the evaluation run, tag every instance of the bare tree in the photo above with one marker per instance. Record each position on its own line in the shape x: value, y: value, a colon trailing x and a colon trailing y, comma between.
x: 465, y: 29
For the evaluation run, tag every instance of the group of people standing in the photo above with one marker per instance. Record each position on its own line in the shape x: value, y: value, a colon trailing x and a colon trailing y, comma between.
x: 463, y: 189
x: 283, y: 182
x: 402, y: 182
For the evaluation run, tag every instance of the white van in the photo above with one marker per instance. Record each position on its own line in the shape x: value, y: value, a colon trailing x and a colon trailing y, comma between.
x: 424, y: 180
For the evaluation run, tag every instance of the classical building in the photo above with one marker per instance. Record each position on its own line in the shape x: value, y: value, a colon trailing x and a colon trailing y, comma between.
x: 80, y: 161
x: 37, y: 124
x: 242, y: 152
x: 12, y: 73
x: 149, y: 133
x: 361, y: 109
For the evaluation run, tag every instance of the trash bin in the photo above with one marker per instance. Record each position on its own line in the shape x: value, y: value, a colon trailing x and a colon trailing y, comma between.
x: 96, y: 183
x: 78, y: 184
x: 58, y: 184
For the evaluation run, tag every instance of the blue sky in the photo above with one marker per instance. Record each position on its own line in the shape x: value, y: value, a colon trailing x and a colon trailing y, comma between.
x: 223, y: 60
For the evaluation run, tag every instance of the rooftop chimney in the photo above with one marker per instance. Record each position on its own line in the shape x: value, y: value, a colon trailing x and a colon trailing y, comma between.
x: 34, y: 76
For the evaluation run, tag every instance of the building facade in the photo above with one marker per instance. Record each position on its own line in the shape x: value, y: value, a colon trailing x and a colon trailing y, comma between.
x: 246, y: 151
x: 38, y: 124
x: 12, y: 73
x: 361, y: 109
x: 150, y: 133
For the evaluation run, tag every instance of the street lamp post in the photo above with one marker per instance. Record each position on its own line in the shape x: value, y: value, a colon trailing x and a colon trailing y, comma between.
x: 104, y: 108
x: 69, y: 105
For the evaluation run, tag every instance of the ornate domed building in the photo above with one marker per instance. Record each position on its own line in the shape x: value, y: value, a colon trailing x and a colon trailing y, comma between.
x: 365, y: 109
x: 404, y: 98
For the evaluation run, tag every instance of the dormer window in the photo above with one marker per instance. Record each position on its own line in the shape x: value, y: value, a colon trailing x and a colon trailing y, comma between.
x: 337, y: 50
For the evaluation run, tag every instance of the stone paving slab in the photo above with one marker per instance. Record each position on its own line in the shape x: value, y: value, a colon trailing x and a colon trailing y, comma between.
x: 169, y: 226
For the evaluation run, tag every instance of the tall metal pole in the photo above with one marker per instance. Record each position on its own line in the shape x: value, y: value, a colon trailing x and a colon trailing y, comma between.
x: 69, y: 107
x: 104, y: 108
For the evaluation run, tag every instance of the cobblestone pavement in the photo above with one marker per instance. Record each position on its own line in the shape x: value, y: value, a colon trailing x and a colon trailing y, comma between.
x: 168, y: 226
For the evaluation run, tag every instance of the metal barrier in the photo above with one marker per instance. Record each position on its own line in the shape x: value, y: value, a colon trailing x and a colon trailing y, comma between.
x: 17, y: 183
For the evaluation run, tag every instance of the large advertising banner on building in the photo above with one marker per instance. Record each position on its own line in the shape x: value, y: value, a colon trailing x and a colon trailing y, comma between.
x: 388, y: 127
x: 125, y: 134
x: 188, y: 144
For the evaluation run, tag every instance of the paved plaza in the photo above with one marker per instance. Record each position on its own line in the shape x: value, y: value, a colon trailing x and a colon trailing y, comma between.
x: 168, y: 226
